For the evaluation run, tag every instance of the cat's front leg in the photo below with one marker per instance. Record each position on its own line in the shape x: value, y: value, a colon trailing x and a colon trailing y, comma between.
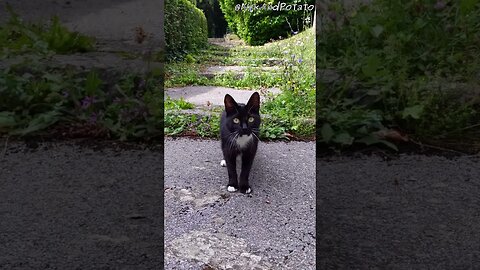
x: 231, y: 161
x: 247, y: 161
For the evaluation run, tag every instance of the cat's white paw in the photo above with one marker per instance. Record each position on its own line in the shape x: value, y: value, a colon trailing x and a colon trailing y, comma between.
x: 248, y: 191
x: 231, y: 189
x: 223, y: 163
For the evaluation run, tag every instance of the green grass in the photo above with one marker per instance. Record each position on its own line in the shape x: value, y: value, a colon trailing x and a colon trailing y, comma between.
x: 288, y: 114
x: 180, y: 104
x: 18, y: 37
x: 403, y: 65
x: 40, y: 101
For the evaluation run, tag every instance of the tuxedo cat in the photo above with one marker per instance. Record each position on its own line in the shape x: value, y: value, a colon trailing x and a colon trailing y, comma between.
x: 239, y: 131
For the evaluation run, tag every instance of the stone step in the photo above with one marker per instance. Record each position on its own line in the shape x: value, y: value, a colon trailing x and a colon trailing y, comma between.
x: 225, y: 43
x: 264, y: 61
x: 109, y: 62
x: 327, y: 76
x: 204, y: 112
x: 239, y: 71
x: 116, y: 23
x: 214, y: 95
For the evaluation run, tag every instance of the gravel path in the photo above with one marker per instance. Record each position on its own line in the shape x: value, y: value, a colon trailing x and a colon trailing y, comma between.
x: 272, y: 228
x: 65, y: 206
x: 68, y: 207
x: 415, y: 212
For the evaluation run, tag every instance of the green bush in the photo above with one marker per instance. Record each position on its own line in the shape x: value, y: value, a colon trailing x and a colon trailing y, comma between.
x: 57, y: 101
x: 258, y: 26
x: 185, y: 27
x: 396, y: 63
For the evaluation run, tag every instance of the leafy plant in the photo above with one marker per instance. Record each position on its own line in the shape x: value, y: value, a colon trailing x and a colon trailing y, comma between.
x: 258, y: 21
x: 43, y: 100
x: 396, y: 59
x: 287, y: 115
x: 18, y: 37
x: 185, y: 28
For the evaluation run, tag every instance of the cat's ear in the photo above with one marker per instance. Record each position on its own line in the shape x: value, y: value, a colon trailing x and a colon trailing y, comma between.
x: 253, y: 104
x: 230, y: 104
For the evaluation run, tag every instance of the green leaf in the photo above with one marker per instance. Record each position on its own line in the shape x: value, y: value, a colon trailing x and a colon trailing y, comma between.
x: 371, y: 139
x: 466, y: 6
x: 419, y: 24
x: 327, y: 132
x: 344, y: 139
x: 92, y: 83
x: 377, y: 31
x: 370, y: 69
x: 413, y: 112
x: 7, y: 119
x: 40, y: 122
x: 57, y: 78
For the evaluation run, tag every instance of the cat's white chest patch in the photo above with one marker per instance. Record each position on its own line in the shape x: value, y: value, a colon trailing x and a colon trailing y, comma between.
x: 244, y: 140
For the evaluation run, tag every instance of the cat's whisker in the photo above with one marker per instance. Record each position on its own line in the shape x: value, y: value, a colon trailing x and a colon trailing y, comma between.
x: 255, y: 136
x: 232, y: 142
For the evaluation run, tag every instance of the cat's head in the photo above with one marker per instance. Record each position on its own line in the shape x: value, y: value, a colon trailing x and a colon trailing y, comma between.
x: 243, y: 118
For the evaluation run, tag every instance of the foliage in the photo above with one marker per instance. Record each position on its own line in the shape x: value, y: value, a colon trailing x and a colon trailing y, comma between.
x: 394, y: 61
x: 185, y: 27
x: 295, y: 105
x: 18, y: 37
x: 286, y: 115
x: 217, y: 25
x: 259, y: 25
x: 85, y: 105
x: 177, y: 104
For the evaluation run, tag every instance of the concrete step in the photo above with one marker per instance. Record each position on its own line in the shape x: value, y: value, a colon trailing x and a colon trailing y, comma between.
x: 214, y: 95
x: 206, y: 112
x: 239, y: 71
x: 226, y: 43
x: 109, y: 62
x: 261, y: 62
x: 116, y: 23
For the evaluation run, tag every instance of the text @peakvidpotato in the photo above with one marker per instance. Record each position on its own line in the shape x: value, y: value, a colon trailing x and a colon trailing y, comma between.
x: 276, y: 7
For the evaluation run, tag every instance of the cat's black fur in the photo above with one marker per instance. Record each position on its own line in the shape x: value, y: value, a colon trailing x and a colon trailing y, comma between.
x: 230, y: 132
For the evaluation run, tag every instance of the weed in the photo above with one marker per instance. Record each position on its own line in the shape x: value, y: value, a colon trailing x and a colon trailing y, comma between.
x: 286, y: 113
x: 41, y: 99
x: 18, y: 37
x: 394, y: 61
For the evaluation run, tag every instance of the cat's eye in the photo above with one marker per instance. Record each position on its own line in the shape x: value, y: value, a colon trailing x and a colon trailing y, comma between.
x: 236, y: 120
x: 251, y: 119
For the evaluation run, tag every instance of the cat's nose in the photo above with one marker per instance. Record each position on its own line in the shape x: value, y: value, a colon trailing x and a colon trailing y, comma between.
x: 245, y: 130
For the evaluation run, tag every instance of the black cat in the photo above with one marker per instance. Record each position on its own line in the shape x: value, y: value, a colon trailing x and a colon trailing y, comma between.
x: 239, y: 131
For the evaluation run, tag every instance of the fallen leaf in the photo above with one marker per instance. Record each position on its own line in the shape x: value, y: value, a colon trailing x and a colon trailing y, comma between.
x: 391, y: 134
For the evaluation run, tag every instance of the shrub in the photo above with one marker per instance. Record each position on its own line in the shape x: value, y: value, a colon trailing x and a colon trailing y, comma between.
x: 57, y: 101
x: 185, y: 27
x: 396, y: 59
x: 259, y: 26
x: 217, y: 25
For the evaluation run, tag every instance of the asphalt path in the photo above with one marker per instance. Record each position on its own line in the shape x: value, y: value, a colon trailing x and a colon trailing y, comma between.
x: 271, y: 228
x: 65, y: 206
x: 411, y: 212
x: 71, y: 206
